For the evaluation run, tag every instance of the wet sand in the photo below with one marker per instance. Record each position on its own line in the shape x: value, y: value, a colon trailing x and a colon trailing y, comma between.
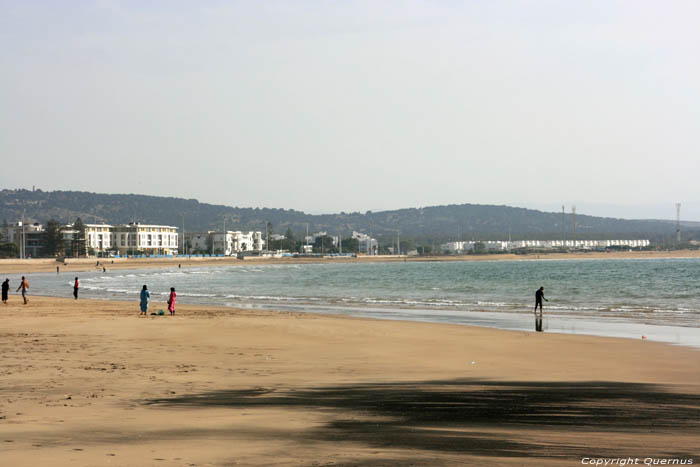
x: 90, y: 383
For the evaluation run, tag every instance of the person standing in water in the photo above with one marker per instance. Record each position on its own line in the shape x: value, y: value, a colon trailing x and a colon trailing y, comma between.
x: 145, y: 298
x: 171, y: 301
x: 5, y: 290
x: 539, y: 296
x: 76, y: 286
x: 24, y: 285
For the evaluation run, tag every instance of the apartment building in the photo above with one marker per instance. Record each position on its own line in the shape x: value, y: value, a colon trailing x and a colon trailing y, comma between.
x: 227, y: 243
x: 132, y: 237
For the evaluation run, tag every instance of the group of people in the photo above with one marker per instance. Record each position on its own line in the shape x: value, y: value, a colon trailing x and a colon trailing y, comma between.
x: 23, y: 286
x: 145, y: 294
x: 146, y: 299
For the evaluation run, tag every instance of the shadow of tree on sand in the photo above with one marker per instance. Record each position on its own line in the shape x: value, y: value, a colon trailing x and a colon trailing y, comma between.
x: 448, y: 415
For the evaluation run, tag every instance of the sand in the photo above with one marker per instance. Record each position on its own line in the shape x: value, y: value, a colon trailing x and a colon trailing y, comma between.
x: 22, y: 266
x: 89, y: 383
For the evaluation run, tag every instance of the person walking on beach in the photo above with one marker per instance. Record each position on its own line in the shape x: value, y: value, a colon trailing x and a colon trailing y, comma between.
x: 145, y: 298
x: 24, y: 285
x: 5, y: 290
x: 76, y: 286
x: 539, y: 296
x: 171, y: 301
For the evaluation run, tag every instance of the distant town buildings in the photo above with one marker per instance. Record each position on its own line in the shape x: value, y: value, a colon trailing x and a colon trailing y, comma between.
x: 136, y: 238
x: 99, y: 239
x: 311, y: 239
x: 454, y: 247
x: 227, y: 243
x: 27, y: 237
x: 367, y: 244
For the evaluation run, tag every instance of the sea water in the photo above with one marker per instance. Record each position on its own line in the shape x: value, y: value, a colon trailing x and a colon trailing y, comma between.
x: 657, y: 298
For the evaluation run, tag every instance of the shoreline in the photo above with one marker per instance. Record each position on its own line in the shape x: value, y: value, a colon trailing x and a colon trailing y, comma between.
x: 18, y: 266
x: 680, y: 336
x: 88, y: 382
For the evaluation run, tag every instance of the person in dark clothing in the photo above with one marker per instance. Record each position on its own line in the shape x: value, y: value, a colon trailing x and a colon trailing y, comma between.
x: 539, y: 296
x: 76, y: 286
x: 5, y: 290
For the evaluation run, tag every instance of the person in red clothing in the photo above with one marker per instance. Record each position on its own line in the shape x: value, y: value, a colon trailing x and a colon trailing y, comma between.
x: 76, y: 286
x: 171, y: 301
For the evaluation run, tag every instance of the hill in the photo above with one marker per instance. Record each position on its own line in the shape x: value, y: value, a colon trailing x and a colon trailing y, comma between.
x: 438, y: 223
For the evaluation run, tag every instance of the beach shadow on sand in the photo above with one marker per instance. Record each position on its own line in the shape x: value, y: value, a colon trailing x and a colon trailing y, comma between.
x: 474, y: 417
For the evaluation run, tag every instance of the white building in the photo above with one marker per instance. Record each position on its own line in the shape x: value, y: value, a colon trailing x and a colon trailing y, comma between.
x: 367, y: 244
x: 27, y: 237
x: 454, y: 247
x: 131, y: 238
x: 498, y: 245
x: 227, y: 243
x: 311, y: 239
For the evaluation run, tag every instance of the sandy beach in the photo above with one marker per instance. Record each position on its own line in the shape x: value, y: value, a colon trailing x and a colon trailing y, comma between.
x: 89, y: 383
x: 21, y: 266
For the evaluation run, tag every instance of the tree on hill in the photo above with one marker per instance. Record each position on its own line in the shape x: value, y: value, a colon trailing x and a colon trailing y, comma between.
x: 324, y: 244
x: 53, y: 238
x: 351, y: 245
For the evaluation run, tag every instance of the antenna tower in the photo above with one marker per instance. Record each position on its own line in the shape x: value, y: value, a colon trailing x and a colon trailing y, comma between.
x: 678, y: 224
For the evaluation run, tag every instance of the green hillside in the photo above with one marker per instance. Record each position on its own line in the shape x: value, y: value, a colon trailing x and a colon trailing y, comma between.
x: 437, y: 223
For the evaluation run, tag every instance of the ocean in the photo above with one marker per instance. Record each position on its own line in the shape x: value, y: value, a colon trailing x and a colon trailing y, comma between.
x: 655, y: 298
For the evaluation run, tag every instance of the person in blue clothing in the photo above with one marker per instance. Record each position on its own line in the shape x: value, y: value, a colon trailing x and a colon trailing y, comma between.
x: 145, y: 298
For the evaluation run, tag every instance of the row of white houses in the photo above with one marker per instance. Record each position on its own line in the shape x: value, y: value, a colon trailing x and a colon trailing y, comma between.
x: 227, y: 243
x: 545, y: 245
x: 165, y: 240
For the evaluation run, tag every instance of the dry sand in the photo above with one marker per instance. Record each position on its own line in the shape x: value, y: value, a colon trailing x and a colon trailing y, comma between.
x: 17, y: 266
x: 89, y: 383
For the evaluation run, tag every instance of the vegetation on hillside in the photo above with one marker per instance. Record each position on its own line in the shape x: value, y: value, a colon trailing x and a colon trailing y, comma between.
x: 425, y: 226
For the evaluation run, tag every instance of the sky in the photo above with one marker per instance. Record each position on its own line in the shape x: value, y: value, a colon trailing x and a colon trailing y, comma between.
x: 330, y: 106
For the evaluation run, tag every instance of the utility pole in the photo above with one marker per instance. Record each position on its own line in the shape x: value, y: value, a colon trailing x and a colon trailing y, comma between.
x: 22, y: 249
x: 573, y: 214
x: 183, y: 234
x: 563, y: 224
x: 678, y: 225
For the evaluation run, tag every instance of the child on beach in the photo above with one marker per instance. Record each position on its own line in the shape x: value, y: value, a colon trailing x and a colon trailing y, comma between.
x: 24, y: 285
x: 5, y: 290
x: 145, y: 298
x: 171, y: 301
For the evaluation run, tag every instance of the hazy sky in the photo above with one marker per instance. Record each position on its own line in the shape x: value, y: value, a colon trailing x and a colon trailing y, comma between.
x: 329, y: 106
